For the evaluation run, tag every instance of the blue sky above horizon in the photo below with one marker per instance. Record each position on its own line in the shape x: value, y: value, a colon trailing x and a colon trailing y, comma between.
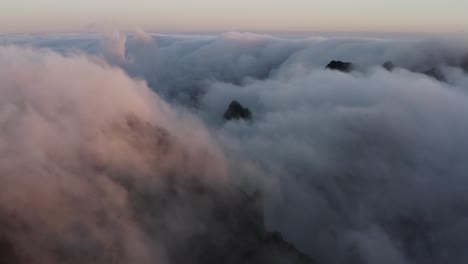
x: 33, y: 16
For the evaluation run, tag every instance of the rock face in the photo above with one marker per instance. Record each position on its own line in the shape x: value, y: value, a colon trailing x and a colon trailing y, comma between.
x: 436, y: 74
x: 237, y: 111
x: 388, y: 65
x: 340, y: 66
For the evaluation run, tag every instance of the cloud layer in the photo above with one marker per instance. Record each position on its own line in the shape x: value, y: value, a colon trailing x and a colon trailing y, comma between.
x: 365, y: 167
x: 82, y: 146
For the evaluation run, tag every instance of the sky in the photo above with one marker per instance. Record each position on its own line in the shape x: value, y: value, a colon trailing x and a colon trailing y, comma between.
x: 34, y: 16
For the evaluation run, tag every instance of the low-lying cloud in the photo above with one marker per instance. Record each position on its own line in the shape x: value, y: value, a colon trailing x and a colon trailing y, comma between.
x: 82, y: 148
x: 354, y: 157
x: 360, y: 167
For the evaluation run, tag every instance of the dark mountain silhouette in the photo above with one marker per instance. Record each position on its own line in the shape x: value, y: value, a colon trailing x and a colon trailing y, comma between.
x: 340, y: 66
x: 237, y: 111
x: 388, y: 65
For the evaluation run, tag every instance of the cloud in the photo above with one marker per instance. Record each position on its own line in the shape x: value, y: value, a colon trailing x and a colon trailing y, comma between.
x: 179, y: 70
x: 365, y: 167
x: 83, y: 148
x: 355, y: 153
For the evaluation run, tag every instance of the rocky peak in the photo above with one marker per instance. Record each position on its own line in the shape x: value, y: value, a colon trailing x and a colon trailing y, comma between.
x: 388, y: 65
x: 237, y: 111
x: 340, y: 66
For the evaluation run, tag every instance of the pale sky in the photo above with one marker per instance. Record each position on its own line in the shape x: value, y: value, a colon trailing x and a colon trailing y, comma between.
x: 23, y: 16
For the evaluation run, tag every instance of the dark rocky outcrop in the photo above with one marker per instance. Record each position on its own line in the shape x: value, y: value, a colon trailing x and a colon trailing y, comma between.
x: 388, y: 65
x: 237, y: 111
x: 436, y: 73
x: 340, y: 66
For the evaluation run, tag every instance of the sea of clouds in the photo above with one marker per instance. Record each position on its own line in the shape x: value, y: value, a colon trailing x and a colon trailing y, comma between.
x: 102, y: 138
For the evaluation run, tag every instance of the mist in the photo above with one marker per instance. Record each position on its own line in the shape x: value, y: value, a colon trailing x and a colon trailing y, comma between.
x: 114, y: 149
